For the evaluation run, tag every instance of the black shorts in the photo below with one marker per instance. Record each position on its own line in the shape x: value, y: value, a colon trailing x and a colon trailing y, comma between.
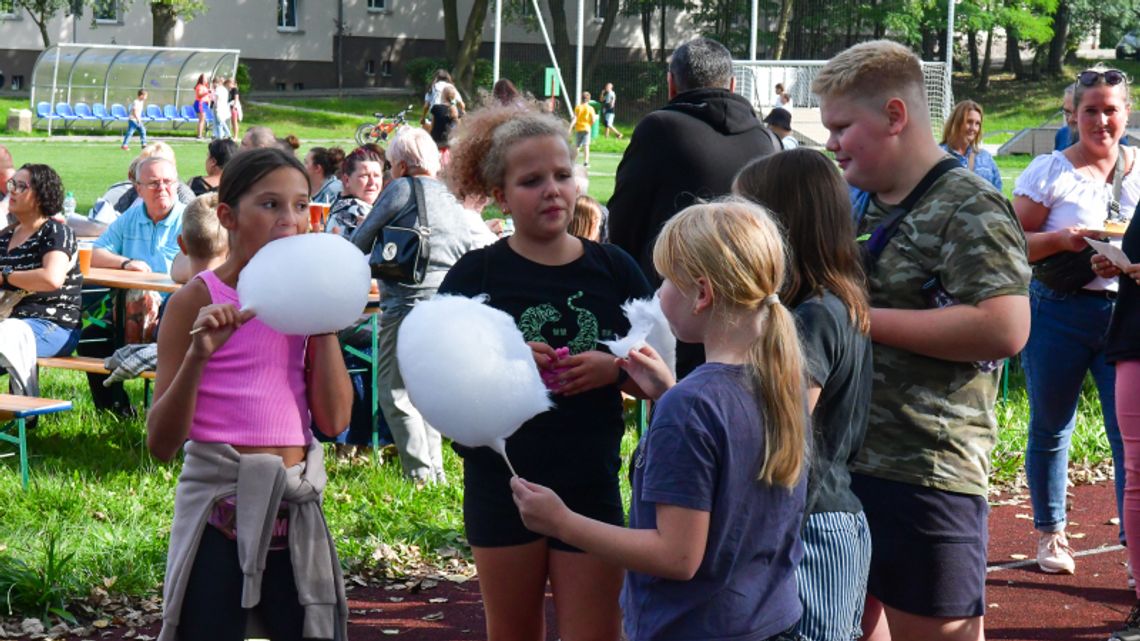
x: 928, y: 547
x: 492, y: 519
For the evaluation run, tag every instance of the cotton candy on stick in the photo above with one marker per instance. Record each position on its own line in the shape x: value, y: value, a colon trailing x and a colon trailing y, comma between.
x: 469, y: 371
x: 648, y: 326
x: 306, y: 284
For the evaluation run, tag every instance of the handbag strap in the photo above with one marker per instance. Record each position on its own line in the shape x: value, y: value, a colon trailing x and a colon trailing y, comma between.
x: 878, y: 239
x: 1119, y: 171
x: 421, y: 211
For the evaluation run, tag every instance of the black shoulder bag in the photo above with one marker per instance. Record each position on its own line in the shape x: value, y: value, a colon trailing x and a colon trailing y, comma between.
x: 400, y: 251
x: 1066, y: 272
x: 881, y: 236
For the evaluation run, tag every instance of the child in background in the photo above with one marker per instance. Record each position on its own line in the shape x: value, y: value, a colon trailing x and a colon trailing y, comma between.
x: 584, y: 117
x: 565, y: 294
x: 135, y: 120
x: 240, y: 397
x: 587, y: 219
x: 825, y: 287
x: 719, y: 478
x: 203, y: 240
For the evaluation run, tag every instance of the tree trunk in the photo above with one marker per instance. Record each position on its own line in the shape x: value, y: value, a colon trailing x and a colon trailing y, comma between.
x: 561, y: 28
x: 972, y: 45
x: 929, y: 40
x: 451, y: 29
x: 984, y: 79
x: 599, y: 48
x: 464, y: 71
x: 782, y: 29
x: 1013, y: 53
x: 164, y: 17
x: 1057, y: 45
x: 662, y: 49
x: 647, y: 29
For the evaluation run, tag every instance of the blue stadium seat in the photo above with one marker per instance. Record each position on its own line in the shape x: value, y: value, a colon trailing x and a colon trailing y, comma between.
x: 44, y: 112
x: 99, y: 110
x: 154, y: 113
x: 65, y: 112
x: 171, y: 113
x: 188, y: 113
x: 119, y: 112
x: 83, y: 112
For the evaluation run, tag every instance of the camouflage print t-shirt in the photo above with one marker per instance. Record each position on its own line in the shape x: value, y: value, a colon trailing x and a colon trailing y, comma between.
x: 931, y: 421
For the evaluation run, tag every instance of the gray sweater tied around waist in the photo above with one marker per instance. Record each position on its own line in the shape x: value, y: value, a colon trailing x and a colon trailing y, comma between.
x: 259, y: 483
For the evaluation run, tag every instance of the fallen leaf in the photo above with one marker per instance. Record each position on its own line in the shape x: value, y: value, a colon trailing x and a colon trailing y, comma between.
x: 1023, y: 516
x: 438, y: 599
x: 434, y: 616
x: 1018, y: 557
x: 389, y: 631
x: 100, y: 623
x: 1077, y: 535
x: 395, y: 599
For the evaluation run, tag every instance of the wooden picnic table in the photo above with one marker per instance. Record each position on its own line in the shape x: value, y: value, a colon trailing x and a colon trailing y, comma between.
x: 124, y: 279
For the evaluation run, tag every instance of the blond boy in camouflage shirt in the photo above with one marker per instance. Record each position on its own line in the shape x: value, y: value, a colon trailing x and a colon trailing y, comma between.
x: 948, y: 289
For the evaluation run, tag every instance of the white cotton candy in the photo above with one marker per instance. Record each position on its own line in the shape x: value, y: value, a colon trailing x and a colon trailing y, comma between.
x: 647, y: 326
x: 306, y: 284
x: 469, y: 371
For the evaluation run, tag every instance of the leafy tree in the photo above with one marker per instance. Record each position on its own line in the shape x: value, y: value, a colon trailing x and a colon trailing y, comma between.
x: 464, y: 52
x: 165, y: 15
x: 42, y: 11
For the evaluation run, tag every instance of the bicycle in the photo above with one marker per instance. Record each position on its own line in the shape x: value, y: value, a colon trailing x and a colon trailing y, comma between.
x: 379, y: 131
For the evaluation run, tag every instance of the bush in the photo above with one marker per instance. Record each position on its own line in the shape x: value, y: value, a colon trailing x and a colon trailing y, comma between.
x: 242, y: 79
x: 420, y: 71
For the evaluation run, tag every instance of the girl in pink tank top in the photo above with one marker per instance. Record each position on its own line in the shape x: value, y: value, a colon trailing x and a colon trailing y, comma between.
x: 239, y: 383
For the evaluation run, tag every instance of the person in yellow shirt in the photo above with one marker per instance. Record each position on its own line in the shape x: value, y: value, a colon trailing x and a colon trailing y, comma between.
x: 584, y: 117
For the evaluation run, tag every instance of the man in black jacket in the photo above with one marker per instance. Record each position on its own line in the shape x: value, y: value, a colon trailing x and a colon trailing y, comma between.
x: 689, y: 149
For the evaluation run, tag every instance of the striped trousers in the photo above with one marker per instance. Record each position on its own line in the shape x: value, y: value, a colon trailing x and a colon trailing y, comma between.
x: 832, y: 578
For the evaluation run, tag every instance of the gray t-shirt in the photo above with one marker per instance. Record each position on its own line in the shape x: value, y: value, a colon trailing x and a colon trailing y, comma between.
x: 838, y: 360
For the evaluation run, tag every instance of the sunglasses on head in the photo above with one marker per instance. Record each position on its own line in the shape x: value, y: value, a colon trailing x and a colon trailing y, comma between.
x: 1112, y: 77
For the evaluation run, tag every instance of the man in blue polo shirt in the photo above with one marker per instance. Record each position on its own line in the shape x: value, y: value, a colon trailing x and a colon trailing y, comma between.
x: 145, y: 237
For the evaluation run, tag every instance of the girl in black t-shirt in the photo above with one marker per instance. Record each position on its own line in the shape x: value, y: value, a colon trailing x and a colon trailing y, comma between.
x: 36, y: 255
x: 825, y: 285
x: 565, y: 294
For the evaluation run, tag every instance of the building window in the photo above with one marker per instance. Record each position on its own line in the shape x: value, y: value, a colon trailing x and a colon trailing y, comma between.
x: 386, y: 68
x: 600, y: 9
x: 378, y: 5
x: 106, y: 11
x: 17, y: 83
x: 7, y: 9
x: 524, y: 8
x: 280, y: 86
x: 298, y: 86
x: 286, y: 15
x: 370, y: 67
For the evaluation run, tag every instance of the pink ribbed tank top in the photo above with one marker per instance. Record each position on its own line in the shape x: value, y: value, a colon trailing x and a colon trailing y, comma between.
x: 252, y: 390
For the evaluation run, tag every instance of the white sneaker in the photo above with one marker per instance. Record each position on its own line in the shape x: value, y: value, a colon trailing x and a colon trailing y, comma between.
x: 1054, y: 554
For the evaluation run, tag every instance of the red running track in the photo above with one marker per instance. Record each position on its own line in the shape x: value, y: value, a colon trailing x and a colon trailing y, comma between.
x: 1025, y: 604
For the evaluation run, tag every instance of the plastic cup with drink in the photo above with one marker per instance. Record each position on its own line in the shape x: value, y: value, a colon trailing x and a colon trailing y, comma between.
x: 85, y: 249
x: 316, y: 213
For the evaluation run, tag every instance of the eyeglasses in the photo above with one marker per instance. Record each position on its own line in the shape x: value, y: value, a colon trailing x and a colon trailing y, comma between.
x: 17, y: 187
x: 160, y: 184
x: 1112, y: 77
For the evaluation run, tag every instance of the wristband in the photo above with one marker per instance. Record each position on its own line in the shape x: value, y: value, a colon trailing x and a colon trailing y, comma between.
x: 126, y: 262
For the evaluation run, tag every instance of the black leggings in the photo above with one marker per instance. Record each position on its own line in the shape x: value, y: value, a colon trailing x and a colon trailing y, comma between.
x: 211, y: 608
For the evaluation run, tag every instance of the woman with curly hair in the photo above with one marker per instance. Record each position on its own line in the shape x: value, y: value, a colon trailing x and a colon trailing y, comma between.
x: 36, y: 257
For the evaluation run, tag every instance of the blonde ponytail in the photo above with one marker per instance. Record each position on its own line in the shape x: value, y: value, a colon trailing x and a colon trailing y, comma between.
x: 735, y: 245
x: 777, y: 370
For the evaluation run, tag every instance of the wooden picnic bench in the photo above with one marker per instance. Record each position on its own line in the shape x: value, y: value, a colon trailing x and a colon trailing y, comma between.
x: 14, y: 410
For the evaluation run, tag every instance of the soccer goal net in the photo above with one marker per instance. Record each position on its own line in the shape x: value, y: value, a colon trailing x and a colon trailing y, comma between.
x: 756, y: 80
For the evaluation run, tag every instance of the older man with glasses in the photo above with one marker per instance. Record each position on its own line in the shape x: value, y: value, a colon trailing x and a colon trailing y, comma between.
x: 145, y: 237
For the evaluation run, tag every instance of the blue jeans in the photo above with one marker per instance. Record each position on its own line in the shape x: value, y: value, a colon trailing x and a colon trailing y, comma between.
x: 1066, y: 340
x: 132, y: 127
x: 51, y: 339
x: 222, y: 127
